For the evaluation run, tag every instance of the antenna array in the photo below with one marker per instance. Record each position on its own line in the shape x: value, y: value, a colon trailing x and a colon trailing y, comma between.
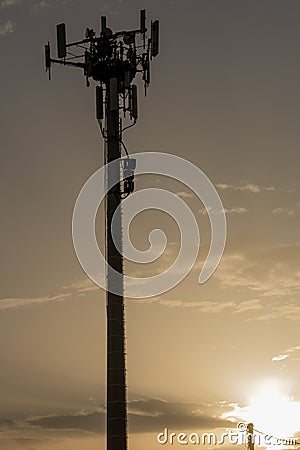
x: 109, y: 55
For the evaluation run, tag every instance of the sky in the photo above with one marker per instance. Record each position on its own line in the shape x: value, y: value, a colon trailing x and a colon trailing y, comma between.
x: 225, y: 96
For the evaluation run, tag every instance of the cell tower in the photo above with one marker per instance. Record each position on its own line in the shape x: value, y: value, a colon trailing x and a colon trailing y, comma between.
x: 113, y: 60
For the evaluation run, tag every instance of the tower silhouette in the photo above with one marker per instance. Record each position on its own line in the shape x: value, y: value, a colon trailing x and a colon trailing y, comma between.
x: 113, y: 60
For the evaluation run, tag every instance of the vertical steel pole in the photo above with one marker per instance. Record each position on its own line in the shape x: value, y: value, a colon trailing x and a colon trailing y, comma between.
x: 116, y: 425
x: 250, y: 438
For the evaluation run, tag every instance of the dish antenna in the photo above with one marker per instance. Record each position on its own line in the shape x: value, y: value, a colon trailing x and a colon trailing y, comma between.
x: 128, y: 38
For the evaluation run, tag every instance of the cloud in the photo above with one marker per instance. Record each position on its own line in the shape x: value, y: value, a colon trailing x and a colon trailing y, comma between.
x: 7, y: 303
x: 35, y: 5
x: 77, y: 288
x: 81, y: 286
x: 156, y: 414
x: 5, y: 423
x: 291, y: 211
x: 183, y: 194
x: 248, y: 305
x: 91, y: 421
x: 201, y: 306
x: 272, y: 271
x: 272, y: 274
x: 280, y: 357
x: 286, y: 353
x: 234, y: 210
x: 8, y: 3
x: 250, y: 187
x: 260, y: 309
x: 144, y: 416
x: 23, y: 440
x: 271, y: 311
x: 7, y: 27
x: 258, y: 284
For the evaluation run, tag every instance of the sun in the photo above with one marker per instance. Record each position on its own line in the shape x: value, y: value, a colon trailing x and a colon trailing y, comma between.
x: 271, y: 410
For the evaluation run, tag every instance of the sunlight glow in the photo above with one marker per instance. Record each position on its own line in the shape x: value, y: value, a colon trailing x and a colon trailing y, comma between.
x: 271, y: 410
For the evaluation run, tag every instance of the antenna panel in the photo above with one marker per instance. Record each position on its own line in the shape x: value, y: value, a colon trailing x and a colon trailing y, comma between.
x: 47, y: 56
x: 127, y: 79
x: 113, y: 94
x: 154, y: 38
x: 147, y: 73
x: 103, y: 24
x: 134, y: 102
x: 143, y: 28
x: 99, y: 103
x: 48, y: 59
x: 61, y: 40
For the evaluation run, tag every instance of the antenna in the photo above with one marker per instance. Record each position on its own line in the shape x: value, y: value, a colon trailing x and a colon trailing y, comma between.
x: 134, y: 102
x: 143, y: 28
x: 61, y: 40
x: 48, y: 59
x: 154, y: 38
x: 103, y: 24
x: 146, y: 73
x: 129, y: 165
x: 99, y: 103
x: 127, y: 79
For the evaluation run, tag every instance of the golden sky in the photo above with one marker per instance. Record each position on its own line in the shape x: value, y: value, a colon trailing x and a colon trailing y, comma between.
x: 225, y: 96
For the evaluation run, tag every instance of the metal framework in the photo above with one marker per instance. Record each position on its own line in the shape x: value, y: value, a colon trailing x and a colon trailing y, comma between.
x: 113, y: 60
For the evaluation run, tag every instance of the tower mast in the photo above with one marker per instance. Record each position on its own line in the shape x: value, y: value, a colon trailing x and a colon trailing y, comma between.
x: 113, y: 61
